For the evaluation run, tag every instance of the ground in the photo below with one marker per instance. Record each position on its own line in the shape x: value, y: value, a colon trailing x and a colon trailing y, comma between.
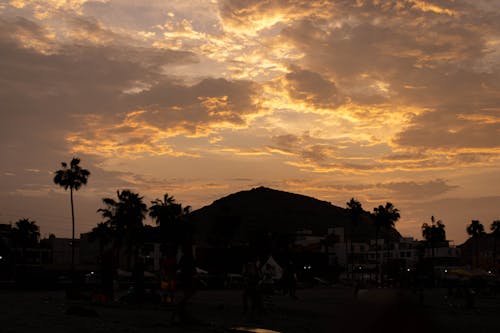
x: 334, y: 309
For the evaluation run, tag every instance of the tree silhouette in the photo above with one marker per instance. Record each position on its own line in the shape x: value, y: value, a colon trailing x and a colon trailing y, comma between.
x: 434, y: 233
x: 125, y: 217
x: 166, y: 214
x: 72, y: 177
x: 25, y: 234
x: 385, y: 217
x: 475, y: 229
x: 355, y: 210
x: 495, y: 230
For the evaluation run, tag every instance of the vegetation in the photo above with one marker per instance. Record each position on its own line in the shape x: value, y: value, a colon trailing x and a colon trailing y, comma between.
x: 166, y: 213
x: 475, y: 229
x: 72, y: 177
x: 433, y: 233
x: 495, y: 230
x: 25, y: 234
x: 125, y: 218
x: 355, y: 210
x: 385, y: 217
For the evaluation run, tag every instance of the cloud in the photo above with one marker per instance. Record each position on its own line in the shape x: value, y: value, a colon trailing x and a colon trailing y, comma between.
x: 311, y: 88
x: 73, y: 82
x: 452, y: 128
x: 167, y: 110
x: 249, y: 17
x: 308, y: 149
x: 411, y: 190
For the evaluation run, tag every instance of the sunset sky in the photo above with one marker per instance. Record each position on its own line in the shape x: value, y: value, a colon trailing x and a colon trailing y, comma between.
x: 379, y: 100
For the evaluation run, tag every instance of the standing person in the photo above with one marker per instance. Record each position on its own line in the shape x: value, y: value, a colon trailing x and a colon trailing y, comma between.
x: 188, y: 284
x: 251, y: 292
x: 289, y: 279
x: 168, y: 275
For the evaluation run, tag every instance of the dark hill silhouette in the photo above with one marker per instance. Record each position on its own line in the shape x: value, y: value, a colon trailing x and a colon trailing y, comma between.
x: 239, y: 216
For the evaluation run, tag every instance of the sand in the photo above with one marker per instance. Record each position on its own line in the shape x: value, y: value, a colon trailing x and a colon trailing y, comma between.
x: 317, y: 310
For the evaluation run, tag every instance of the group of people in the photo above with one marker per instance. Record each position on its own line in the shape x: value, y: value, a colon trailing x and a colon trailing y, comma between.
x: 262, y: 281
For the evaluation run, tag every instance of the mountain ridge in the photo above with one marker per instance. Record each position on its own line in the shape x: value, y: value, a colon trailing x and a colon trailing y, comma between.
x: 239, y: 215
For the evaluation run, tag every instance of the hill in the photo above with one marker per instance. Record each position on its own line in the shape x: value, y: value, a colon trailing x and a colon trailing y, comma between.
x: 240, y: 215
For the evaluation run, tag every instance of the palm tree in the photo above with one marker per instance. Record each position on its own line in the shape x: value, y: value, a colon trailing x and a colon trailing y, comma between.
x: 475, y: 229
x: 125, y: 217
x: 355, y: 210
x: 25, y: 234
x: 166, y: 213
x: 72, y: 177
x: 385, y: 218
x: 495, y: 230
x: 434, y: 232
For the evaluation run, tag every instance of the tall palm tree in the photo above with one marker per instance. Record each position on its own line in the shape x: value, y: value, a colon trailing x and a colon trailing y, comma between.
x: 385, y: 218
x: 495, y: 230
x: 355, y: 210
x: 72, y: 177
x: 125, y: 217
x: 475, y: 229
x: 25, y: 234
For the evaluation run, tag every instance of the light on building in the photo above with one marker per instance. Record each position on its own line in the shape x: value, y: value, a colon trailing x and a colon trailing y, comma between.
x: 1, y: 257
x: 408, y: 269
x: 489, y: 272
x: 446, y: 271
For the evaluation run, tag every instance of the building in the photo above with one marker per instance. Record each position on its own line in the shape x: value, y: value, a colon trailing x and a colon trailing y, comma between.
x: 481, y: 252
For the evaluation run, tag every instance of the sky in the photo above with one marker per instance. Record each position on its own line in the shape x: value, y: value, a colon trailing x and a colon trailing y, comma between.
x: 378, y: 100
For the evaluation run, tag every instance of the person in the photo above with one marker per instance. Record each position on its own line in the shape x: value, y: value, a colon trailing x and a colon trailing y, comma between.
x: 267, y: 279
x: 251, y: 292
x: 289, y: 280
x: 188, y: 284
x: 168, y: 275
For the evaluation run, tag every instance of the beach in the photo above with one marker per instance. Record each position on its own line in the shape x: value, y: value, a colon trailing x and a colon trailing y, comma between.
x: 317, y: 310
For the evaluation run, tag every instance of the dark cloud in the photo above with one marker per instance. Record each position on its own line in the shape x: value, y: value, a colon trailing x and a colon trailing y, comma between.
x: 210, y: 101
x: 418, y: 190
x: 310, y: 150
x: 446, y: 129
x: 437, y: 62
x: 312, y: 88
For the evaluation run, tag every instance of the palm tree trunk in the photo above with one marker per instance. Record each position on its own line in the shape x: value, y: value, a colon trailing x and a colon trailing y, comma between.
x: 377, y: 267
x: 72, y: 233
x: 495, y: 254
x: 346, y: 253
x: 432, y: 263
x: 351, y: 252
x: 477, y: 252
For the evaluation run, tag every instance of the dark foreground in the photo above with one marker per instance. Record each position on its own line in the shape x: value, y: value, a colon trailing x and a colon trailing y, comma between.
x: 317, y: 310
